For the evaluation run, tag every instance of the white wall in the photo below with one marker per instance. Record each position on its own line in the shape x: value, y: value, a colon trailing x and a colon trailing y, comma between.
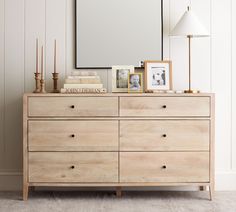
x: 214, y: 64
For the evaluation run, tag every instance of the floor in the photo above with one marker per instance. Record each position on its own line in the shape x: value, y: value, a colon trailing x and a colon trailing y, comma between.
x: 132, y: 201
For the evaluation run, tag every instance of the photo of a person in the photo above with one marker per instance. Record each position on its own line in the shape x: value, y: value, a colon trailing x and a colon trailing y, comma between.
x: 135, y: 82
x: 122, y: 78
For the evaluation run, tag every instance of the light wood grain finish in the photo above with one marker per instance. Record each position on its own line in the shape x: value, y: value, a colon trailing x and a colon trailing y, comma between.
x: 165, y: 135
x: 119, y: 140
x: 165, y: 106
x: 72, y: 106
x: 73, y: 167
x: 149, y: 167
x: 73, y: 135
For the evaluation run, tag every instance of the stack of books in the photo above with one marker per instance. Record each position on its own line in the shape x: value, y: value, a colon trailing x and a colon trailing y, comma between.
x: 83, y: 82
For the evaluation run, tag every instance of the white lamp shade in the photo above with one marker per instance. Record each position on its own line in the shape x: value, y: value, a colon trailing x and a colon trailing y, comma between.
x: 189, y: 25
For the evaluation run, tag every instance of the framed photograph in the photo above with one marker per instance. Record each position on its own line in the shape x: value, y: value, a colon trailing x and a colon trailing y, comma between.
x: 135, y: 83
x: 120, y: 75
x: 158, y: 75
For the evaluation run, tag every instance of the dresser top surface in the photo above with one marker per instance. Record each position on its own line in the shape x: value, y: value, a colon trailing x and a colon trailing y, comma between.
x: 120, y: 95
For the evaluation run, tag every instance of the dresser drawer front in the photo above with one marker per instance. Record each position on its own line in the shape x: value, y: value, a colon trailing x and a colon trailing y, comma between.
x: 165, y: 135
x: 80, y: 167
x: 165, y: 106
x: 72, y: 106
x: 178, y: 167
x: 73, y: 135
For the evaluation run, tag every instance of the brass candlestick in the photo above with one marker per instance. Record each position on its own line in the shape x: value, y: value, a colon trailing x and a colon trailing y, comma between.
x: 37, y: 83
x: 55, y: 80
x: 42, y: 83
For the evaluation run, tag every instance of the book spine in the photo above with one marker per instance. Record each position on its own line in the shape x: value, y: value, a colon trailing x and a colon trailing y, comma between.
x: 83, y: 81
x: 83, y: 90
x: 83, y: 85
x: 83, y: 77
x: 84, y: 73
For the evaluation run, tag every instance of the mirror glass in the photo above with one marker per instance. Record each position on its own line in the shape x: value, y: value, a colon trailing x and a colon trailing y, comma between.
x: 118, y: 32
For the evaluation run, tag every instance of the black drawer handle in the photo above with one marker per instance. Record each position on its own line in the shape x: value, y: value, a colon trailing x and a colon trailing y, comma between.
x: 73, y: 135
x: 72, y: 106
x: 164, y: 166
x: 164, y: 106
x: 72, y: 167
x: 164, y: 135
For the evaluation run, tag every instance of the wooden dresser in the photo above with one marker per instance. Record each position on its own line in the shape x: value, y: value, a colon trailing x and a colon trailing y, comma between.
x: 118, y: 140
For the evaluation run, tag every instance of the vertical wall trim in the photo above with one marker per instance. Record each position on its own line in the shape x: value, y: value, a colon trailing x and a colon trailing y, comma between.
x: 231, y: 94
x: 211, y: 74
x: 4, y: 93
x: 44, y: 45
x: 66, y: 46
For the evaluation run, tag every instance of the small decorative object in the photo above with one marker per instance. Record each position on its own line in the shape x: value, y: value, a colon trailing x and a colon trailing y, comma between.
x: 120, y: 75
x: 42, y: 81
x: 189, y: 26
x: 158, y: 75
x: 179, y: 92
x: 135, y: 83
x: 55, y: 74
x: 170, y: 91
x: 37, y: 74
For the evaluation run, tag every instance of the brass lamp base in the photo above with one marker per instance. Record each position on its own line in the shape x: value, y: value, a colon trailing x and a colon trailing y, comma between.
x: 191, y: 91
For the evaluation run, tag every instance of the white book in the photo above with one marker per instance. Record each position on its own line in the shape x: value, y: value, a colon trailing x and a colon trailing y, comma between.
x: 83, y: 73
x: 83, y: 77
x: 83, y: 81
x: 83, y: 85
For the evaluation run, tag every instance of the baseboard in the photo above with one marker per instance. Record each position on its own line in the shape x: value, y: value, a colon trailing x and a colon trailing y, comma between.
x: 12, y: 181
x: 226, y: 181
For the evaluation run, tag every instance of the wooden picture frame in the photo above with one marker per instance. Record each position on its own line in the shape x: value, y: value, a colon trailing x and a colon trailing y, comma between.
x: 137, y: 85
x: 120, y: 75
x: 158, y: 75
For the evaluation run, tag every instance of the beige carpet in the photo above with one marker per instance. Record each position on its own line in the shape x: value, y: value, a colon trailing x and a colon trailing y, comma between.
x: 78, y: 201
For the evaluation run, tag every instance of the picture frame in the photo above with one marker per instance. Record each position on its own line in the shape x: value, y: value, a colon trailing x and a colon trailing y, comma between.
x: 135, y: 83
x: 120, y: 76
x: 158, y: 75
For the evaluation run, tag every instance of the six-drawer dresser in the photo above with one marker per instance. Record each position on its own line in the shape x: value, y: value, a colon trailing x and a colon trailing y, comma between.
x: 118, y: 140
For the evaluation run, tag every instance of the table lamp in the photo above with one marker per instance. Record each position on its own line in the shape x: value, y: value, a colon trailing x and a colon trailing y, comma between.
x: 189, y: 26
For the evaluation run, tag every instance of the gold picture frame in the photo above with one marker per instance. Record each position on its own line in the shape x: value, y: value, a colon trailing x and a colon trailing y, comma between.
x: 158, y: 75
x: 135, y: 83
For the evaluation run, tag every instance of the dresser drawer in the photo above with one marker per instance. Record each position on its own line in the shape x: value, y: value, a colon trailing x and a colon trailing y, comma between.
x: 164, y: 135
x: 72, y: 106
x: 178, y: 167
x: 73, y: 135
x: 80, y: 167
x: 165, y: 106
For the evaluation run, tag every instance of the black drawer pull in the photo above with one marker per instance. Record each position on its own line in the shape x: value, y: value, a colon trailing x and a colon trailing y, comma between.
x: 164, y: 135
x: 72, y: 106
x: 164, y: 166
x: 164, y: 106
x: 73, y: 135
x: 72, y: 167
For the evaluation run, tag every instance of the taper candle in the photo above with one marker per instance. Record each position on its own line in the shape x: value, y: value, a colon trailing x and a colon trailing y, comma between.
x: 55, y: 56
x: 42, y: 74
x: 37, y: 55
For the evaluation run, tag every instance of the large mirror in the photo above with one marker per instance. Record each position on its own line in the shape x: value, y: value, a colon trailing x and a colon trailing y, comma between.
x: 118, y: 32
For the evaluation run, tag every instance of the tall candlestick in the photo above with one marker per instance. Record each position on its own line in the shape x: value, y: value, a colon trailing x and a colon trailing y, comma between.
x: 42, y: 74
x: 55, y: 56
x: 37, y: 55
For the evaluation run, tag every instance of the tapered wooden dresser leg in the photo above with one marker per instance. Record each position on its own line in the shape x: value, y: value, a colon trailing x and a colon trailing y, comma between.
x: 25, y: 192
x: 211, y: 192
x: 118, y: 192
